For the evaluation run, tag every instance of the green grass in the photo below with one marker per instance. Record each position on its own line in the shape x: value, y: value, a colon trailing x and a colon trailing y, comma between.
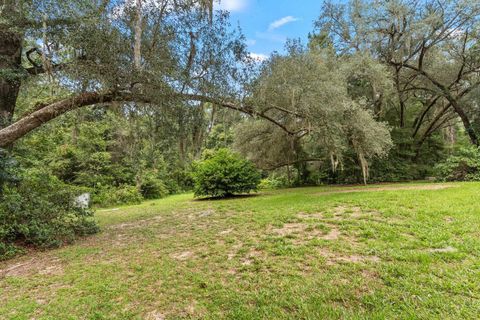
x: 309, y: 253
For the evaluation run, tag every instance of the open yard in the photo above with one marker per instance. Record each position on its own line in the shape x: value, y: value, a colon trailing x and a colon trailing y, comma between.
x: 404, y: 251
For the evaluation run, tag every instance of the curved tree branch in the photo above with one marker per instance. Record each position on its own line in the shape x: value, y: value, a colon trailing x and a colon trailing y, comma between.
x: 20, y: 128
x: 45, y: 113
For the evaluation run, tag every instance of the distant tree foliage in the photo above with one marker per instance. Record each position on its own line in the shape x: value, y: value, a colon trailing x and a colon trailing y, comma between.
x: 464, y: 165
x: 325, y: 105
x: 224, y: 173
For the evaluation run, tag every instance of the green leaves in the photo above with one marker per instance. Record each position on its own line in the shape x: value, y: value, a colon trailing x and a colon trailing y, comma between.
x: 326, y: 103
x: 224, y: 173
x: 463, y: 166
x: 39, y: 211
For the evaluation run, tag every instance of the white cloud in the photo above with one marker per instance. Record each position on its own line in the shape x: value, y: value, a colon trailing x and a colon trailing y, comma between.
x: 251, y: 42
x: 280, y: 22
x: 232, y: 5
x: 258, y: 56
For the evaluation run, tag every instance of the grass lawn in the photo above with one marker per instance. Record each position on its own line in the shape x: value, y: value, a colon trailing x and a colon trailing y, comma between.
x: 406, y: 251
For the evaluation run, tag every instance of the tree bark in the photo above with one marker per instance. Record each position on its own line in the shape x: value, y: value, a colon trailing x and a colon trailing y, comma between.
x: 466, y: 123
x: 49, y: 112
x: 453, y: 100
x: 34, y: 120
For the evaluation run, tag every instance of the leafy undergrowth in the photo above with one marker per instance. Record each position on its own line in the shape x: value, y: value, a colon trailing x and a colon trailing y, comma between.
x: 396, y: 251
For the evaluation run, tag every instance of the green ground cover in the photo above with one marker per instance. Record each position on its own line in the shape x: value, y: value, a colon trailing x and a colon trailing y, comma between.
x: 403, y: 251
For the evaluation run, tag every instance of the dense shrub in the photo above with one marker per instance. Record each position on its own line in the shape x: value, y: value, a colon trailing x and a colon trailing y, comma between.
x: 7, y: 165
x: 111, y: 196
x: 462, y: 166
x: 179, y: 180
x: 274, y: 181
x: 152, y: 187
x: 39, y: 211
x: 224, y: 173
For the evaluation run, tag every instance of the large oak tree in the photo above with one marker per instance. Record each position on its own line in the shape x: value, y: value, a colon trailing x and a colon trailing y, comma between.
x: 431, y: 48
x: 143, y: 51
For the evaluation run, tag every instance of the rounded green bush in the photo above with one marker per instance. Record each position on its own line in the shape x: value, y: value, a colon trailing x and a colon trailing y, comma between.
x: 223, y: 174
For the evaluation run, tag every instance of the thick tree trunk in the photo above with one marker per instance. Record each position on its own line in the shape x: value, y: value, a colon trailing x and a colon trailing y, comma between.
x: 466, y: 123
x: 453, y: 100
x: 34, y: 120
x: 10, y: 73
x: 430, y: 129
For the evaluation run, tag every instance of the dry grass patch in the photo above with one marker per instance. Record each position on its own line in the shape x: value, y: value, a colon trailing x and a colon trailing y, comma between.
x: 334, y: 234
x: 137, y: 224
x: 39, y: 265
x: 252, y: 255
x: 333, y: 258
x: 155, y: 315
x: 290, y: 228
x: 448, y: 249
x: 183, y: 256
x: 342, y: 212
x: 317, y: 215
x: 387, y: 188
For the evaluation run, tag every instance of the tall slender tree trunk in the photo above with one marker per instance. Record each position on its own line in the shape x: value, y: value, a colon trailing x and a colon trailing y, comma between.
x: 400, y: 97
x: 137, y: 49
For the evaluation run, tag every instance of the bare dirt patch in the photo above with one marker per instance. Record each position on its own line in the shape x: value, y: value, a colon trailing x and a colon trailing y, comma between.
x: 225, y: 232
x: 357, y: 259
x: 387, y: 188
x: 155, y: 315
x: 343, y: 212
x: 252, y: 255
x: 369, y: 274
x: 306, y: 232
x: 443, y: 250
x: 334, y: 258
x: 317, y: 215
x: 347, y: 212
x: 136, y: 224
x: 234, y: 251
x: 206, y: 213
x: 334, y: 234
x: 290, y: 228
x: 183, y: 256
x: 36, y: 265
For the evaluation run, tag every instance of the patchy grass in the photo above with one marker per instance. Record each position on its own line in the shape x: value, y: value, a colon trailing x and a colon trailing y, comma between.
x: 391, y: 251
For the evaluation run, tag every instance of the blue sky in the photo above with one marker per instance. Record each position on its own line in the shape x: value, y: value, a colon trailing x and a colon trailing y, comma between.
x: 268, y: 23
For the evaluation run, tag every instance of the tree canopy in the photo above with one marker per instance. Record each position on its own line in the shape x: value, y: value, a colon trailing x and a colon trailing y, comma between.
x: 378, y: 82
x: 325, y: 104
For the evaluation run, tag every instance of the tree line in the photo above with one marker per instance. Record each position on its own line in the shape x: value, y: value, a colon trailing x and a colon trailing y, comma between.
x: 380, y: 87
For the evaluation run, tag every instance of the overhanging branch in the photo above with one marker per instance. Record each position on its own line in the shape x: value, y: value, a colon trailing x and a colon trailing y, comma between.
x: 47, y: 112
